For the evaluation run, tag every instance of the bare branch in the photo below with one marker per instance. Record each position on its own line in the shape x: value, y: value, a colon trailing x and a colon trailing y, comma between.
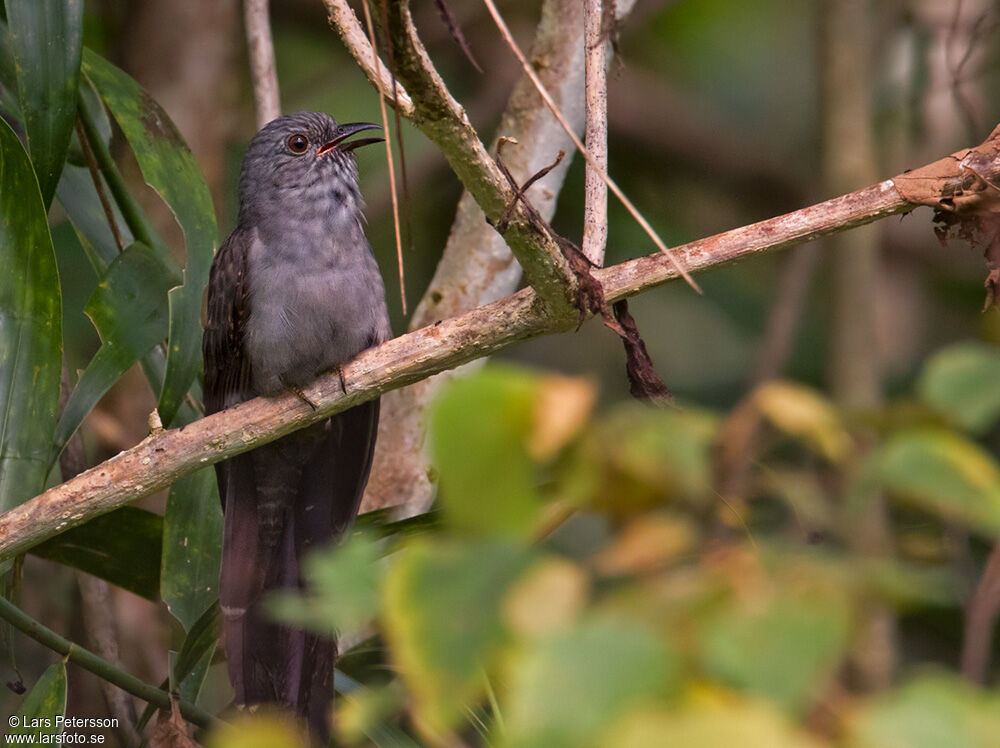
x: 476, y: 266
x: 595, y: 191
x: 167, y: 455
x: 263, y: 69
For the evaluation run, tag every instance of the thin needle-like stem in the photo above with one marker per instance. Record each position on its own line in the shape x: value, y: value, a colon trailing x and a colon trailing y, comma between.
x: 388, y: 158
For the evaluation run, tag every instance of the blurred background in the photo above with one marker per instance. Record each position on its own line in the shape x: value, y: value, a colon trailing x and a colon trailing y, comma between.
x: 722, y: 113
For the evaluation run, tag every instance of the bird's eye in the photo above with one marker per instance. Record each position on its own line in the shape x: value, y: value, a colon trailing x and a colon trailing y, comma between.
x: 298, y: 143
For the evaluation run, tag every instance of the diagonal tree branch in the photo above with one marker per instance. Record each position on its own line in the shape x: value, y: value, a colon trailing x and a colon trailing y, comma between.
x: 476, y: 266
x: 962, y: 180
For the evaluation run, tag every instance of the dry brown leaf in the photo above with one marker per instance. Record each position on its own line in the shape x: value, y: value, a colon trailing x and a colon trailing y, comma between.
x: 171, y: 730
x: 561, y: 409
x: 645, y: 545
x: 548, y: 599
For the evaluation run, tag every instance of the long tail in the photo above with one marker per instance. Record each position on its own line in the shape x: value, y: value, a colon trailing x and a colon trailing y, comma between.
x: 280, y: 501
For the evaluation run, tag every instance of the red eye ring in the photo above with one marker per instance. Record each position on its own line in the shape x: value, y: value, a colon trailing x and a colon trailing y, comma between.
x: 298, y: 143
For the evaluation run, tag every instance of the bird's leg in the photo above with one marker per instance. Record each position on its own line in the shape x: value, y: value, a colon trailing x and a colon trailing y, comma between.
x: 302, y: 396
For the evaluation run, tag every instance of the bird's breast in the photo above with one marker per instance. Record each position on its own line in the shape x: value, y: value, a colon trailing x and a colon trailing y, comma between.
x: 310, y: 312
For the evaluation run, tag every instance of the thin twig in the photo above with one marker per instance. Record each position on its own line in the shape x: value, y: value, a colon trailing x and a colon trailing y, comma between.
x: 263, y: 69
x: 633, y: 211
x: 388, y: 158
x: 136, y: 220
x: 95, y: 176
x: 98, y: 666
x: 595, y: 191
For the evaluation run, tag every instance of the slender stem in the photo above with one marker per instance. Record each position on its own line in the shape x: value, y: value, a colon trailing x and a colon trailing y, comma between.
x: 95, y: 176
x: 595, y: 191
x: 263, y: 69
x: 99, y: 666
x: 134, y: 216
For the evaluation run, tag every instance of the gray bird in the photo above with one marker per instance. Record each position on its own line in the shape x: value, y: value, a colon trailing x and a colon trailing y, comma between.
x: 294, y: 292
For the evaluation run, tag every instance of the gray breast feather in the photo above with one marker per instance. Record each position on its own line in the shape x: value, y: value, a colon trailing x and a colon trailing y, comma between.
x: 312, y: 311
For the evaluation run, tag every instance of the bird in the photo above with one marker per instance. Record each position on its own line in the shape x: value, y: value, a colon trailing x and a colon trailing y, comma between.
x: 294, y: 292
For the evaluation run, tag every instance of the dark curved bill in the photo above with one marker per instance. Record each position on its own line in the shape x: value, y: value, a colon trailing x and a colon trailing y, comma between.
x: 346, y: 131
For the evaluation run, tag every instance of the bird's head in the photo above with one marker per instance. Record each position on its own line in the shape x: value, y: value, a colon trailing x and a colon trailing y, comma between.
x: 306, y: 156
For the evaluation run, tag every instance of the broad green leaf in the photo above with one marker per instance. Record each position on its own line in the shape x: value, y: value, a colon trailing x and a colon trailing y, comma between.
x: 46, y: 37
x: 442, y: 620
x: 784, y: 651
x: 726, y: 724
x: 45, y: 702
x: 168, y: 167
x: 929, y: 712
x: 943, y: 473
x: 480, y: 430
x: 129, y: 310
x: 192, y: 543
x: 342, y: 591
x: 962, y: 382
x: 566, y: 689
x: 30, y: 328
x: 121, y: 547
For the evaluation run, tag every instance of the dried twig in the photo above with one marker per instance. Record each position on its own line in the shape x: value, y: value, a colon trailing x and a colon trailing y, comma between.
x: 388, y: 157
x: 595, y: 191
x: 263, y: 69
x: 95, y: 176
x: 633, y: 211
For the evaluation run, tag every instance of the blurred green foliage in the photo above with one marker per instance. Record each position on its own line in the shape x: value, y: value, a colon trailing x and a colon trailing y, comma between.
x: 675, y: 621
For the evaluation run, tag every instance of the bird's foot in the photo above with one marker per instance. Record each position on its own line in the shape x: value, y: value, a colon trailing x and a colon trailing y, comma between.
x: 302, y: 396
x: 343, y: 382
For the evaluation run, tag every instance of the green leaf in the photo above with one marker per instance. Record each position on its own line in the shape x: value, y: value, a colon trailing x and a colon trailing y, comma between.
x: 30, y: 328
x: 962, y: 382
x: 129, y: 310
x: 342, y: 588
x: 168, y: 167
x: 567, y: 688
x: 943, y: 473
x: 784, y: 651
x: 479, y: 430
x: 45, y: 702
x: 46, y: 37
x: 442, y: 619
x: 929, y: 712
x: 122, y: 547
x: 192, y: 543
